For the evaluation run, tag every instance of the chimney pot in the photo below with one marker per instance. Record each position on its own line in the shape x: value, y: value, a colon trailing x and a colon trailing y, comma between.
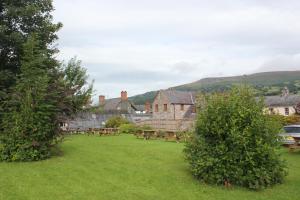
x: 124, y: 96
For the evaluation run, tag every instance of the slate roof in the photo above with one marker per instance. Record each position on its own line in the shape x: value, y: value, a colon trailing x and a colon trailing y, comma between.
x: 289, y: 100
x: 113, y: 104
x: 180, y: 97
x: 140, y: 107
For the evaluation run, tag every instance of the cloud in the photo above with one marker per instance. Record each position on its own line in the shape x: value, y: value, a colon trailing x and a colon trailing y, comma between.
x: 144, y: 45
x: 282, y: 63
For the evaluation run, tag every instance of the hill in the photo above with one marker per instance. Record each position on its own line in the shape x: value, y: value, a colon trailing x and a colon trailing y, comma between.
x: 265, y: 83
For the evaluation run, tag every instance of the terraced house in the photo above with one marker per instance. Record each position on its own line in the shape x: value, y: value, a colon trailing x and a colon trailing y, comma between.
x: 286, y: 104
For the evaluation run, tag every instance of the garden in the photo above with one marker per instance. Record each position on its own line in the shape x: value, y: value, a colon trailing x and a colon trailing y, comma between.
x: 123, y: 167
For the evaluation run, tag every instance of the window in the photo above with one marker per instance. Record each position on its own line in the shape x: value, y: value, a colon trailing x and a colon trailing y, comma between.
x: 182, y: 107
x: 271, y: 110
x: 156, y: 107
x: 165, y: 107
x: 287, y: 111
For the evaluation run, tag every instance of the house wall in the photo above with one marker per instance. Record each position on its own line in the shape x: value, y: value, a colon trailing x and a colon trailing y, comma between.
x: 160, y: 100
x: 173, y: 111
x: 281, y: 110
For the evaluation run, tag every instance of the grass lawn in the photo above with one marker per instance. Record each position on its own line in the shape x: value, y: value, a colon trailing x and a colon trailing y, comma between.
x: 123, y: 167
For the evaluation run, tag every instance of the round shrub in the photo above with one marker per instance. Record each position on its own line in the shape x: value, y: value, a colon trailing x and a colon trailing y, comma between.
x: 116, y: 122
x: 235, y: 142
x: 128, y: 128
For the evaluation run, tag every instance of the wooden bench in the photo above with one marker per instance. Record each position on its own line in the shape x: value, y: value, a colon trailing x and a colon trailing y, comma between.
x: 145, y: 134
x: 171, y: 135
x: 296, y: 145
x: 108, y: 131
x: 148, y: 134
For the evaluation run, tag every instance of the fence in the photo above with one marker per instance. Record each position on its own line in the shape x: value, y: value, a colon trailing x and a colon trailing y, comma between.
x: 84, y: 121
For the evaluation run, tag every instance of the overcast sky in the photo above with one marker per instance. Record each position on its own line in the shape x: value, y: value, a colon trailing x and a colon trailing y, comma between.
x: 144, y: 45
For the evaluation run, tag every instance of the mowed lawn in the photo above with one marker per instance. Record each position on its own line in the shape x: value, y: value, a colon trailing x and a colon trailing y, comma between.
x: 123, y: 167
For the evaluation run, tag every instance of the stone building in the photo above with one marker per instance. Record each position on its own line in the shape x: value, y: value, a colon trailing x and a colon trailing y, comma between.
x: 283, y: 105
x: 286, y: 104
x: 175, y: 105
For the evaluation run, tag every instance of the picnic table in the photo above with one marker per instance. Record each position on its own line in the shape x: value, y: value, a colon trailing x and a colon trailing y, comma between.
x: 103, y: 131
x: 145, y: 134
x: 296, y: 144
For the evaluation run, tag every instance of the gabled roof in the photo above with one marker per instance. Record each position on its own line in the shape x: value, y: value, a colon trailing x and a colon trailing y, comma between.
x: 113, y: 104
x: 289, y: 100
x: 179, y: 97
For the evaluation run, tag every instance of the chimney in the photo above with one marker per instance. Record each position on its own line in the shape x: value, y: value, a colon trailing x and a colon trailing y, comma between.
x: 147, y: 107
x: 101, y: 100
x: 124, y: 96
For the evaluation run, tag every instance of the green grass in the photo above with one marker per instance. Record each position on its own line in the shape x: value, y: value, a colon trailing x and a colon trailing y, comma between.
x: 122, y: 167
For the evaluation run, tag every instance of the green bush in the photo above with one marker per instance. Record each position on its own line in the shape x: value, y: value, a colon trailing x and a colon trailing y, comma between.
x: 116, y: 122
x: 235, y: 143
x: 128, y: 128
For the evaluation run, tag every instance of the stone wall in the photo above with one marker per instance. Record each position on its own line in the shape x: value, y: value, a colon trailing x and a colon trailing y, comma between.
x: 168, y: 125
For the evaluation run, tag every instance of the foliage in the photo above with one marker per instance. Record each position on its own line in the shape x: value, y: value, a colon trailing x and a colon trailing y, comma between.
x: 235, y: 143
x: 28, y: 129
x: 36, y: 91
x: 18, y: 21
x: 75, y: 92
x: 116, y: 122
x: 128, y: 128
x: 185, y: 135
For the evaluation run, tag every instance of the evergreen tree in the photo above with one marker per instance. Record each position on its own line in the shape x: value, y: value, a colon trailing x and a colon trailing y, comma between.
x: 36, y: 90
x: 29, y: 130
x: 18, y: 20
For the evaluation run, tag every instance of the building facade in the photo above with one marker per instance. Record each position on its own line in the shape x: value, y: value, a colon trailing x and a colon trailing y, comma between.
x: 173, y: 105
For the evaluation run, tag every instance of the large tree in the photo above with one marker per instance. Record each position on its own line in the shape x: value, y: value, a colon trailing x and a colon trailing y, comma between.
x: 36, y: 89
x: 29, y: 126
x: 18, y: 20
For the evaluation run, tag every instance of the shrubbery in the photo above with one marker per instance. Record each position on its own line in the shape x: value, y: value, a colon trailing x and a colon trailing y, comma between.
x: 235, y: 143
x: 116, y: 122
x: 128, y: 128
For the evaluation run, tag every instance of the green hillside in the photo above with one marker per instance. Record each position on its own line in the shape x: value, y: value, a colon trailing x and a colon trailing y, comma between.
x: 265, y: 83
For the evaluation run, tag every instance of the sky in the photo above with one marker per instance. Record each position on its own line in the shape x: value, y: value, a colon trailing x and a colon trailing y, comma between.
x: 145, y: 45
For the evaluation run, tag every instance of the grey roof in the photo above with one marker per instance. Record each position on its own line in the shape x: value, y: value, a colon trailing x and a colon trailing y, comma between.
x: 113, y: 104
x: 140, y: 107
x: 180, y: 97
x: 290, y: 100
